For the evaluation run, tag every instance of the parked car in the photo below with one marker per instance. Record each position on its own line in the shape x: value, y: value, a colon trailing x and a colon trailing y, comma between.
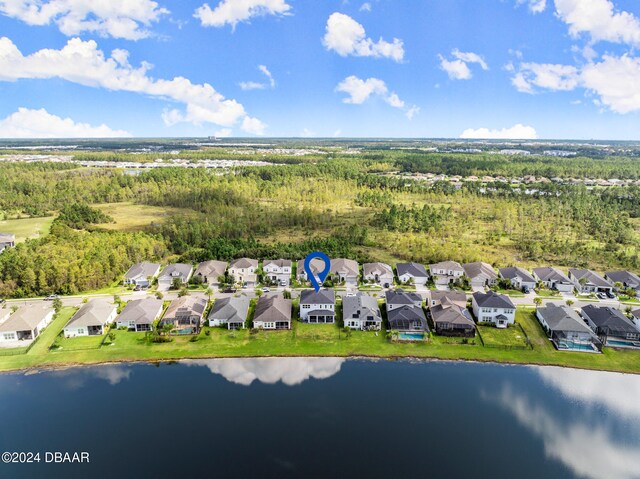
x: 610, y: 295
x: 51, y: 297
x: 602, y: 296
x: 229, y: 290
x: 283, y: 283
x: 525, y: 289
x: 2, y: 301
x: 266, y: 290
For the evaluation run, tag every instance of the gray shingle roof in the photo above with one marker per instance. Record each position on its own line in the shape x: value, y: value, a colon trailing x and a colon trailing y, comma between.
x: 473, y: 270
x: 345, y: 266
x: 608, y: 318
x: 400, y: 297
x: 232, y: 309
x: 176, y: 270
x: 142, y: 270
x: 590, y: 276
x: 627, y: 278
x: 212, y: 269
x: 360, y: 305
x: 26, y: 318
x: 192, y: 305
x: 447, y: 265
x: 141, y: 311
x: 324, y: 296
x: 280, y: 263
x: 244, y: 263
x: 416, y: 270
x: 93, y: 313
x: 458, y: 297
x: 493, y: 300
x: 272, y: 308
x: 7, y: 238
x: 377, y: 268
x: 551, y: 274
x: 563, y: 318
x: 452, y: 314
x: 515, y: 272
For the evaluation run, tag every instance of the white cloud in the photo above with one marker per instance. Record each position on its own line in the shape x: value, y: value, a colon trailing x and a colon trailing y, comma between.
x: 346, y: 37
x: 233, y: 12
x: 598, y: 19
x: 268, y: 74
x: 516, y: 132
x: 253, y: 125
x: 83, y: 63
x: 616, y: 82
x: 128, y: 19
x: 365, y: 7
x: 252, y: 85
x: 535, y: 6
x: 458, y: 69
x: 359, y: 91
x: 26, y: 123
x: 545, y: 75
x: 412, y: 111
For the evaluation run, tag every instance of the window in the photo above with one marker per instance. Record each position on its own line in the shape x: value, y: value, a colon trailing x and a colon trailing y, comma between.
x: 9, y: 336
x: 80, y: 331
x: 306, y: 306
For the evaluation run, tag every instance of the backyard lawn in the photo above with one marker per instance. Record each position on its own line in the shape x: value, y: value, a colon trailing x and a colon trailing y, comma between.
x: 27, y: 227
x: 511, y: 337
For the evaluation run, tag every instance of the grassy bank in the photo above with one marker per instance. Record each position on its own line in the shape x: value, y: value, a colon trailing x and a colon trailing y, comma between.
x: 314, y: 340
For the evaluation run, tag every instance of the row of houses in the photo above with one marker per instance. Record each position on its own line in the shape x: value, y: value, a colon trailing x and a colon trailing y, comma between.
x: 479, y: 275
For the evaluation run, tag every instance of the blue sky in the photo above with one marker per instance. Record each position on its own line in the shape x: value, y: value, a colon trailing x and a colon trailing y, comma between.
x: 380, y: 68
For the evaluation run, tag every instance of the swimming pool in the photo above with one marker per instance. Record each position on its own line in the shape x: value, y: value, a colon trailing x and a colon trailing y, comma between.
x: 621, y: 343
x: 411, y: 336
x: 573, y: 346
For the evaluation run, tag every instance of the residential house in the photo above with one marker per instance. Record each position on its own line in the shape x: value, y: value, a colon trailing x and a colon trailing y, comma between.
x: 518, y: 277
x: 317, y: 307
x: 361, y: 311
x: 185, y: 314
x: 449, y: 313
x: 345, y: 270
x: 378, y: 273
x: 635, y: 317
x: 7, y: 240
x: 316, y: 266
x: 26, y: 323
x: 405, y: 314
x: 141, y: 274
x: 172, y: 273
x: 231, y: 312
x: 209, y: 272
x: 91, y: 318
x: 627, y: 279
x: 244, y: 271
x: 612, y: 327
x: 480, y: 274
x: 446, y: 272
x: 413, y: 272
x: 272, y: 311
x: 278, y: 271
x: 492, y: 307
x: 140, y: 314
x: 566, y: 329
x: 553, y: 278
x: 586, y: 281
x: 399, y: 298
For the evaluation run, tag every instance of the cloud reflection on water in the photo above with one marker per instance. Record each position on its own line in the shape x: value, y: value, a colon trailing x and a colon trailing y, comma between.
x: 291, y: 371
x: 584, y: 438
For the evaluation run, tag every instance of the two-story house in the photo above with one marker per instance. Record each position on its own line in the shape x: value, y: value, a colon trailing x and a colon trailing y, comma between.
x: 492, y: 307
x: 278, y: 271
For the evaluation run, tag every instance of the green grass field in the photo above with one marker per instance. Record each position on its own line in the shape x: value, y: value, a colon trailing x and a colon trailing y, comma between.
x: 129, y: 216
x: 314, y: 340
x: 27, y: 227
x: 509, y: 337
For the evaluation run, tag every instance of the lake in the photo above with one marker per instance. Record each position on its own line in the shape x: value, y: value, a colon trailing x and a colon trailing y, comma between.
x: 323, y: 417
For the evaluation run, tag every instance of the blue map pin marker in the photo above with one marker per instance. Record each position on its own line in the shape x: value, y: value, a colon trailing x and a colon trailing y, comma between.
x: 322, y: 275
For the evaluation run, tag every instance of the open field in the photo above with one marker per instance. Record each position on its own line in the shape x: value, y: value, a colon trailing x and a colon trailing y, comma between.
x: 27, y: 227
x: 129, y: 216
x: 316, y: 340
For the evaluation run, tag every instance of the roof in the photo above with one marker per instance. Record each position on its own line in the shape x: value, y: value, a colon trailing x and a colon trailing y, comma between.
x: 416, y: 270
x: 141, y: 311
x: 492, y: 299
x: 186, y: 304
x: 95, y: 312
x: 551, y: 274
x: 406, y: 313
x: 232, y: 309
x: 211, y: 268
x: 272, y: 308
x: 456, y: 297
x: 7, y: 238
x: 243, y: 263
x: 474, y: 270
x: 608, y: 318
x: 26, y: 318
x: 451, y: 314
x: 316, y: 266
x: 627, y: 278
x: 400, y: 297
x: 636, y: 313
x: 562, y: 318
x: 373, y: 268
x: 176, y: 270
x: 517, y: 272
x: 280, y: 263
x: 448, y: 265
x: 361, y: 305
x: 347, y: 266
x: 590, y: 276
x: 324, y: 296
x: 142, y: 270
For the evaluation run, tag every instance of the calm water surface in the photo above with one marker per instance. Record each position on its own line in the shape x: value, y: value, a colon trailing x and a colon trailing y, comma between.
x: 325, y: 418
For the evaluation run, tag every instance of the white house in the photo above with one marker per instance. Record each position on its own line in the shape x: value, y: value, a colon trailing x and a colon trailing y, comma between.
x: 26, y: 323
x: 379, y: 273
x: 446, y: 272
x: 493, y: 308
x: 140, y: 314
x: 7, y: 240
x: 231, y: 311
x: 244, y: 271
x: 174, y: 272
x: 362, y: 312
x: 209, y: 272
x: 278, y: 271
x: 91, y: 318
x: 345, y: 270
x: 317, y: 307
x: 518, y: 277
x: 413, y: 272
x: 480, y: 274
x: 587, y: 281
x: 553, y: 278
x: 272, y: 312
x: 141, y: 274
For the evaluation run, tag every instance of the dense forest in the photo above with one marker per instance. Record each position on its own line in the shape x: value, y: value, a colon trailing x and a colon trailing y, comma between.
x: 345, y: 205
